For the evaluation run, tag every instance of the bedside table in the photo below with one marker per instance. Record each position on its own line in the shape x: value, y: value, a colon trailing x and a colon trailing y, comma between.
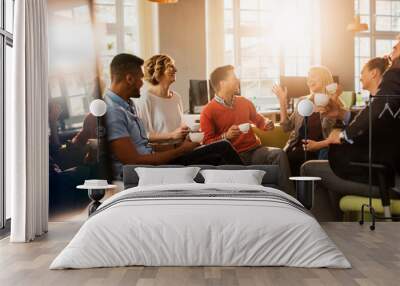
x: 305, y: 187
x: 96, y: 190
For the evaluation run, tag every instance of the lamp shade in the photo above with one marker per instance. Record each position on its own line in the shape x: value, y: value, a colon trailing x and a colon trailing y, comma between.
x: 305, y: 107
x: 98, y: 107
x: 357, y: 26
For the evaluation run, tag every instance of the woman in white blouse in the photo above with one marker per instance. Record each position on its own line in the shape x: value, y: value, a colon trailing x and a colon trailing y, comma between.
x: 160, y: 108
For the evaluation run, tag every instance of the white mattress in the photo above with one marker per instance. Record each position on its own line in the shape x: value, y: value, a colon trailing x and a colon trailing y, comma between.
x: 195, y: 231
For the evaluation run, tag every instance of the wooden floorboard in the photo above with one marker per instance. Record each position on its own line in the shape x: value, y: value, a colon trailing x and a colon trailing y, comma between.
x: 374, y: 255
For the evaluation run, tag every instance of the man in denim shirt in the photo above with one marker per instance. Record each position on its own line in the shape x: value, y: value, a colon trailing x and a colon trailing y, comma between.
x: 125, y: 131
x: 119, y: 114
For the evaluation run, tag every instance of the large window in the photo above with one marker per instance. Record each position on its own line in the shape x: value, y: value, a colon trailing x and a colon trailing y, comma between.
x: 383, y: 18
x: 74, y: 50
x: 119, y: 20
x: 6, y: 43
x: 266, y: 40
x: 72, y: 68
x: 84, y: 35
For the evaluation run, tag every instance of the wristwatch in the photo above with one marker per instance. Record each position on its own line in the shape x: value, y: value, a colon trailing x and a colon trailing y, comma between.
x: 342, y: 137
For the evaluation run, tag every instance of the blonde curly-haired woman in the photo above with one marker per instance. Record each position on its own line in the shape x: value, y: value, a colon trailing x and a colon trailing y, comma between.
x: 159, y: 107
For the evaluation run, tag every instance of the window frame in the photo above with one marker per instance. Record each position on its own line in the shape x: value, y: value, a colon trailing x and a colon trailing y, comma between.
x: 238, y: 33
x: 6, y: 39
x: 118, y: 29
x: 373, y: 34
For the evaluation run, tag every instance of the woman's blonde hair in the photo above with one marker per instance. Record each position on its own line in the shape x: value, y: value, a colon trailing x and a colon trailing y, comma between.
x: 323, y: 73
x: 155, y: 67
x: 326, y: 78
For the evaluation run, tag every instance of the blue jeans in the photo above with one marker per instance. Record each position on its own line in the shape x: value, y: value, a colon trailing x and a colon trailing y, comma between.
x: 323, y: 154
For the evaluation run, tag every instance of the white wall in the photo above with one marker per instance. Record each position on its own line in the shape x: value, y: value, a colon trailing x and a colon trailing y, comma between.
x: 337, y: 44
x: 182, y: 31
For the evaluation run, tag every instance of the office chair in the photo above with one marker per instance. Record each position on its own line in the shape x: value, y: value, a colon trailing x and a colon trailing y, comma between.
x: 382, y: 172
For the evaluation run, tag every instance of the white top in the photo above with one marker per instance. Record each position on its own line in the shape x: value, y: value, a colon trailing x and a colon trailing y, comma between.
x: 159, y: 114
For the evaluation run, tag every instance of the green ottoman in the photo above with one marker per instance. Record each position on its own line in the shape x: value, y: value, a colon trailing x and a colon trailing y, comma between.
x: 351, y: 207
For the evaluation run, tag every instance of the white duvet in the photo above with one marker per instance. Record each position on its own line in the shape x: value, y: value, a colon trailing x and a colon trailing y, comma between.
x: 200, y: 231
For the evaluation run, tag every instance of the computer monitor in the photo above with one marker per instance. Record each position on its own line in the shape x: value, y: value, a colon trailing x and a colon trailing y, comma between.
x: 198, y: 95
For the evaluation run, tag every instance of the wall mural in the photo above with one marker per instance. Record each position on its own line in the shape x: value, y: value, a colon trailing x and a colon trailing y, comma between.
x: 74, y: 84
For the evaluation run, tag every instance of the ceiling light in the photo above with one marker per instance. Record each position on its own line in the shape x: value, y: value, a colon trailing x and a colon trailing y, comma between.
x: 357, y: 26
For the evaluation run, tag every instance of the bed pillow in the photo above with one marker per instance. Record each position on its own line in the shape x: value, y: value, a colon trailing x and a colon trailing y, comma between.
x: 166, y: 176
x: 248, y: 177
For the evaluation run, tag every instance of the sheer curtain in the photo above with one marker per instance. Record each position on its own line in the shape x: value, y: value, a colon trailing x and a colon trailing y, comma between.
x: 27, y: 121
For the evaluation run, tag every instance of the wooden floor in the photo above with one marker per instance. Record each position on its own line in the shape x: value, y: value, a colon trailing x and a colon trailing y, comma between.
x: 375, y: 257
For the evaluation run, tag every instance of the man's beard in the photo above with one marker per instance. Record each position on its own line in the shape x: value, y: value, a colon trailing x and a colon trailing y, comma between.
x: 136, y: 93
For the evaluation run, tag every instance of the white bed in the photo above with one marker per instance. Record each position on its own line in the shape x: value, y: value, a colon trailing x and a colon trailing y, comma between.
x: 185, y: 230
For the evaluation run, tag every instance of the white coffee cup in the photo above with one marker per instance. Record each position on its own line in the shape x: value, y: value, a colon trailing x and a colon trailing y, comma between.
x: 195, y: 127
x: 331, y: 88
x: 245, y: 127
x: 196, y: 137
x: 321, y: 99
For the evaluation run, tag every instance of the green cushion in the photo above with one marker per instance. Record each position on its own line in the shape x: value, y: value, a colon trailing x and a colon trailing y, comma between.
x: 347, y: 98
x: 354, y: 203
x: 275, y: 138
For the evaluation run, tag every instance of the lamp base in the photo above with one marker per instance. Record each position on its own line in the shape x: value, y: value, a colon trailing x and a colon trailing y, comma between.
x: 305, y: 193
x: 95, y: 196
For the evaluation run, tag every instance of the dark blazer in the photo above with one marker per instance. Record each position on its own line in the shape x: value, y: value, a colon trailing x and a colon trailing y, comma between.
x: 385, y: 125
x: 385, y: 133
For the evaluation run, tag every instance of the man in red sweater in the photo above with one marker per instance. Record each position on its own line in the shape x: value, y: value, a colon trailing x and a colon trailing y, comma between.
x: 221, y: 117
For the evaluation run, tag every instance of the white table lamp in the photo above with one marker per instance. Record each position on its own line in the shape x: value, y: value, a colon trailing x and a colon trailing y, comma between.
x: 98, y: 108
x: 305, y: 108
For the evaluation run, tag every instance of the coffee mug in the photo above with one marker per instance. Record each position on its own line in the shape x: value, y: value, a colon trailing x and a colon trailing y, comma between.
x: 195, y: 127
x: 321, y: 99
x: 245, y: 127
x: 331, y: 88
x: 196, y: 137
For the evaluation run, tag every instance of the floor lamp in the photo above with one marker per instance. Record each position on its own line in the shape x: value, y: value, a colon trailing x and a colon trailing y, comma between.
x: 305, y: 108
x: 96, y: 188
x: 98, y: 108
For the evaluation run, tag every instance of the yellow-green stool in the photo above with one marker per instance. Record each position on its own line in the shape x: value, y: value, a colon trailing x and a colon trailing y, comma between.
x: 351, y: 207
